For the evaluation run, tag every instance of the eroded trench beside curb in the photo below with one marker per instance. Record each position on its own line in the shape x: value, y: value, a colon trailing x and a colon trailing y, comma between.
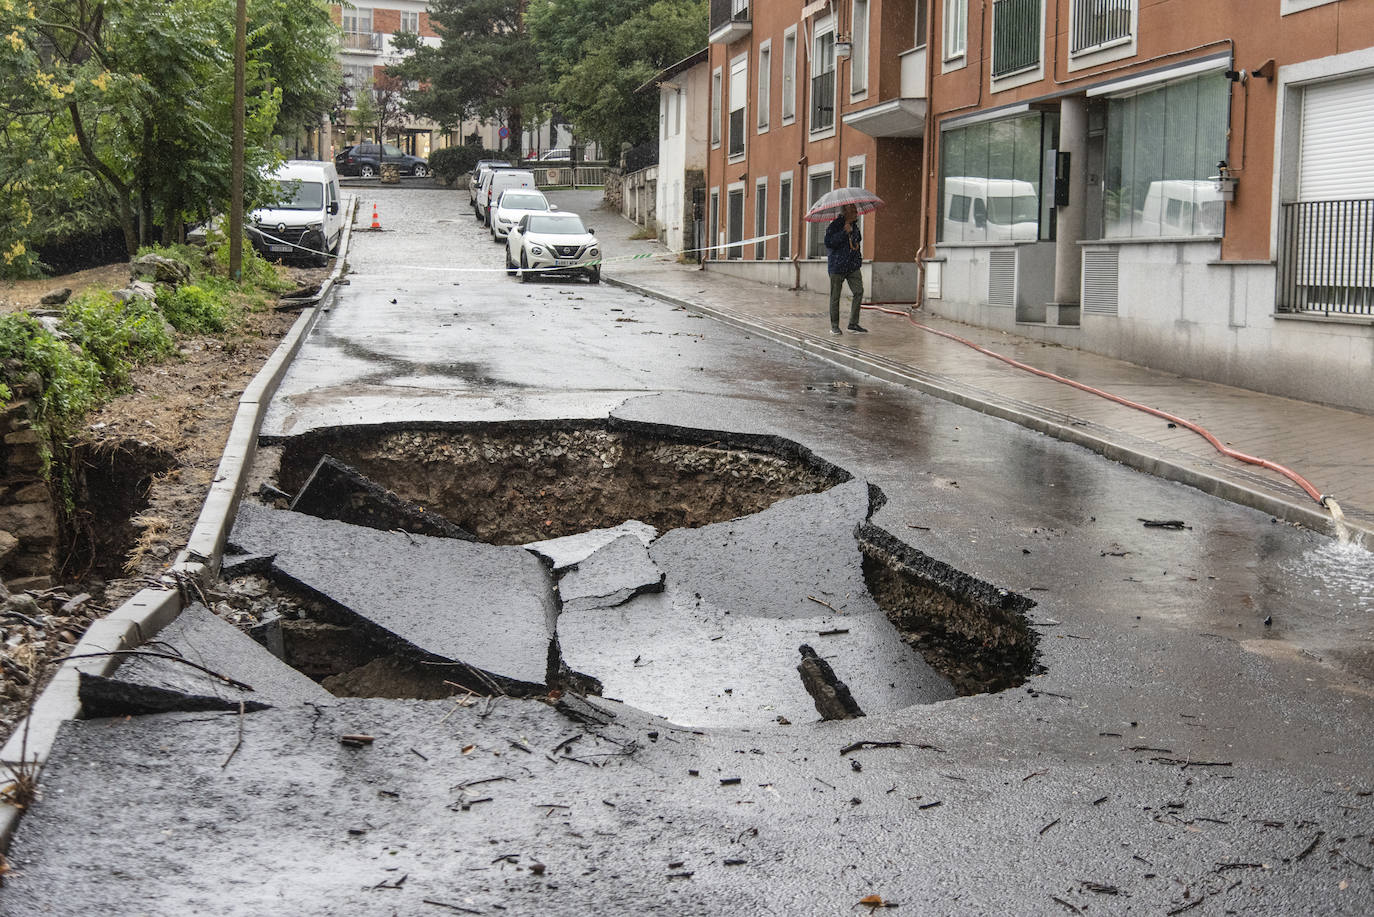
x: 685, y: 569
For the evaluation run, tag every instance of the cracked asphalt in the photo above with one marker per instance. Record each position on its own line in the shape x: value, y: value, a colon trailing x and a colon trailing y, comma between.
x: 1174, y: 755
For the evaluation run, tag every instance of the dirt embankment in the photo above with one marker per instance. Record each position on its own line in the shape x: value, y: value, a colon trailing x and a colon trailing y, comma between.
x: 146, y: 461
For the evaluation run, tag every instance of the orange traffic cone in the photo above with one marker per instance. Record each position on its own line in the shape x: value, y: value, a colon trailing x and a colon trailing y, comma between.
x: 375, y: 223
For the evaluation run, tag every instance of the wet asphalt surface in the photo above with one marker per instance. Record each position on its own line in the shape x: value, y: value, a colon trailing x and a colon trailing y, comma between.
x: 1176, y: 755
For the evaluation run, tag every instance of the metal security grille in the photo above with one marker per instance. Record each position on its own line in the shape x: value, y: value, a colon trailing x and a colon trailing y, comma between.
x: 1002, y: 278
x: 737, y: 132
x: 1015, y: 35
x: 1100, y: 22
x: 823, y: 100
x: 1326, y: 258
x: 1100, y: 278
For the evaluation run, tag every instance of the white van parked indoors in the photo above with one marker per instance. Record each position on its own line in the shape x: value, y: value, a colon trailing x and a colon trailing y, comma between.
x: 306, y: 221
x: 990, y: 210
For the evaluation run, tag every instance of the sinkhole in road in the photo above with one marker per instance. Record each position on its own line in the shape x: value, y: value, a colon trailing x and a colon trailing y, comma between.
x: 720, y: 521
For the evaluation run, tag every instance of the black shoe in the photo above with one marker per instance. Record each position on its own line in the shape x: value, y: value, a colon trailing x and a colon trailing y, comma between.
x: 854, y: 326
x: 835, y: 329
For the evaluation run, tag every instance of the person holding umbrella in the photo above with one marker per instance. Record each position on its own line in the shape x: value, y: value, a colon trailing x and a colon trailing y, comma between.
x: 845, y: 242
x: 842, y: 207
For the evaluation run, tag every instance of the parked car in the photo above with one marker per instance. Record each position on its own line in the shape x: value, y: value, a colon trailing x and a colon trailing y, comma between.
x: 513, y: 204
x: 552, y: 243
x: 554, y: 155
x: 306, y: 222
x: 475, y: 178
x: 366, y: 159
x: 493, y: 183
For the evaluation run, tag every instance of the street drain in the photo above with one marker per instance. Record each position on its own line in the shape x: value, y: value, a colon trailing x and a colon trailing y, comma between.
x: 755, y: 501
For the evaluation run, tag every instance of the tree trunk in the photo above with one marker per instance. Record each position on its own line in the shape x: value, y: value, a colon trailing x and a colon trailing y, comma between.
x: 516, y: 125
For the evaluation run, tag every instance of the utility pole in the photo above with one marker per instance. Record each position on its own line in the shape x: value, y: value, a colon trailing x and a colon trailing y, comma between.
x: 236, y: 144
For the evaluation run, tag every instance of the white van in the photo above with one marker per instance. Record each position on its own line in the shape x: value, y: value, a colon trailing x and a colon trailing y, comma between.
x: 1181, y: 207
x: 306, y: 222
x: 990, y: 210
x: 493, y: 183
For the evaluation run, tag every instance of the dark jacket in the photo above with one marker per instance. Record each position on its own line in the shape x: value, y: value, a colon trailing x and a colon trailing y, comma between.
x: 846, y: 255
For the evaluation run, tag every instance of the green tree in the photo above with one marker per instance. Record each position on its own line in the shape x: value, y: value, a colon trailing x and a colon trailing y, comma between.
x: 484, y: 66
x: 118, y: 111
x: 598, y: 53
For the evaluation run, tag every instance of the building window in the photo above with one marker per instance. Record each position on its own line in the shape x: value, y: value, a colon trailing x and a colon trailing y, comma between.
x: 817, y: 185
x: 765, y: 81
x: 357, y: 21
x: 1097, y: 24
x: 410, y: 22
x: 760, y: 218
x: 789, y: 76
x: 922, y: 16
x: 734, y: 229
x: 1163, y: 144
x: 358, y: 78
x: 956, y: 28
x: 678, y: 106
x: 990, y: 180
x: 823, y: 82
x: 1015, y: 36
x: 739, y: 95
x: 785, y: 219
x: 858, y: 60
x: 715, y: 108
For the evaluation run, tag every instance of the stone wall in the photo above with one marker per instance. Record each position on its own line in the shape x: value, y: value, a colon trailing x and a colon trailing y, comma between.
x: 28, y: 514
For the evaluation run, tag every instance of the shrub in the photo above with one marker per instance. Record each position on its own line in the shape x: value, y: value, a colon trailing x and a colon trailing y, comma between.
x: 194, y: 310
x: 453, y: 161
x: 70, y: 381
x: 116, y: 335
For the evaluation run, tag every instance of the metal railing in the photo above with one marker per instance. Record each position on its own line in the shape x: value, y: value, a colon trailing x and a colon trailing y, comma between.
x: 726, y: 11
x: 823, y: 101
x: 1326, y: 258
x: 1015, y: 35
x: 564, y: 173
x: 737, y: 132
x: 1099, y: 22
x: 362, y: 41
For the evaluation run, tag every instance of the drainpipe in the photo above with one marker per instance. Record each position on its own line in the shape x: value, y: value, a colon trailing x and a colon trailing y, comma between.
x: 802, y: 182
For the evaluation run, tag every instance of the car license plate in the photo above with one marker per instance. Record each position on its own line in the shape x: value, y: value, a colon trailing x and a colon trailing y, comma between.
x: 279, y: 248
x: 565, y: 262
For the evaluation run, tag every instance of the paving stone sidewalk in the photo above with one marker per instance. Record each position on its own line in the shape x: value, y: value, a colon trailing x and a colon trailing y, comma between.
x: 1333, y: 449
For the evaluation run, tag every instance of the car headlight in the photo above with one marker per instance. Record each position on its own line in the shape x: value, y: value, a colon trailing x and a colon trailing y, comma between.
x: 315, y: 226
x: 593, y: 251
x: 536, y: 250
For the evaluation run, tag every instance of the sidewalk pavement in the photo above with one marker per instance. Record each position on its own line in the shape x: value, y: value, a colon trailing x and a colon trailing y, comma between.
x: 1332, y: 449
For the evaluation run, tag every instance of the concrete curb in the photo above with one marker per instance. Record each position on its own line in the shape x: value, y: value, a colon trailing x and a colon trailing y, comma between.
x: 150, y: 610
x: 1138, y: 455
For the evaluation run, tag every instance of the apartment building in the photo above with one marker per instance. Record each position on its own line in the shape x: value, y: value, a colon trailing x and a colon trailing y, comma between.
x: 804, y: 99
x: 1182, y: 184
x: 366, y: 49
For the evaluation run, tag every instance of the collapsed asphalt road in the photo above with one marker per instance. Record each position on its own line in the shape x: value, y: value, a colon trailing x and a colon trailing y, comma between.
x: 1171, y: 753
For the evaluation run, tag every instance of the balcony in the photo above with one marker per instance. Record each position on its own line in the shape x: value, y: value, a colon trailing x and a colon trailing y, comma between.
x: 730, y: 21
x: 362, y: 41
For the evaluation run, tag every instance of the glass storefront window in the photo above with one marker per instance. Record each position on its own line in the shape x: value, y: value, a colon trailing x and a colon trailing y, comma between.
x: 990, y: 180
x: 1162, y: 146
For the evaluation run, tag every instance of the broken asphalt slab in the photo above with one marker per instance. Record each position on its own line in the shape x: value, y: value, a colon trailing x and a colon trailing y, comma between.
x: 197, y: 662
x: 335, y: 490
x: 571, y: 550
x: 487, y: 607
x: 611, y: 576
x: 719, y: 645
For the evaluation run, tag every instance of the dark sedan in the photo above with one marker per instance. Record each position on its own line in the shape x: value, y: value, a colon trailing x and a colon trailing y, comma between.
x: 366, y: 160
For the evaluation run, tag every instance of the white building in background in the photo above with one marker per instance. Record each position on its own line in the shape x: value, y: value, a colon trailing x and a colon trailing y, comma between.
x: 684, y: 99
